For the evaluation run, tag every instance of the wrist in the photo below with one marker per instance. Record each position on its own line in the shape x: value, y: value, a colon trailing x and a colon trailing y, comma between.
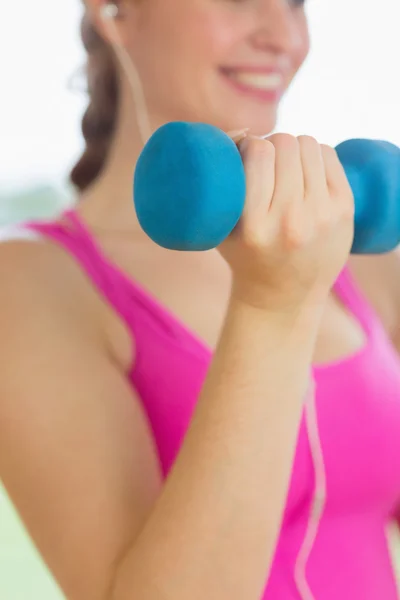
x: 259, y: 305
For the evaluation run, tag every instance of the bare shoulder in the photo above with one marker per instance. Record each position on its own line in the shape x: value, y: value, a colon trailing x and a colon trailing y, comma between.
x: 40, y: 267
x: 39, y: 278
x: 379, y: 279
x: 76, y: 454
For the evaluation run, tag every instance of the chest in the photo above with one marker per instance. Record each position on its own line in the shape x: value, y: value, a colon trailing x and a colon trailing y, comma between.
x: 358, y: 420
x: 357, y: 388
x: 195, y: 289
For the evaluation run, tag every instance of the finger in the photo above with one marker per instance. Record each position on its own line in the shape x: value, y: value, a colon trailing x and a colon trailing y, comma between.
x: 336, y: 178
x: 338, y: 184
x: 315, y: 179
x: 259, y: 164
x: 238, y: 135
x: 289, y: 181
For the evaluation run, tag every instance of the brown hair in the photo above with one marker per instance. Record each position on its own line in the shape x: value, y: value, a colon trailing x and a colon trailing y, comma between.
x: 99, y: 120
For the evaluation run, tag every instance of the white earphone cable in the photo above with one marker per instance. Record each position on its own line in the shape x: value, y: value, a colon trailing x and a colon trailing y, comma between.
x: 109, y: 13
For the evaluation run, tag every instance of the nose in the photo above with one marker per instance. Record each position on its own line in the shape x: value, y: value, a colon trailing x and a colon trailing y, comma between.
x: 276, y: 27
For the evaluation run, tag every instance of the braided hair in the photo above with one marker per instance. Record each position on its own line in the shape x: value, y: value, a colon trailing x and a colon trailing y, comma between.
x: 100, y: 118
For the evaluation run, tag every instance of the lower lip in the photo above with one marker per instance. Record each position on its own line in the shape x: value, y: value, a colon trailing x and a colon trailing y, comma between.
x: 269, y: 96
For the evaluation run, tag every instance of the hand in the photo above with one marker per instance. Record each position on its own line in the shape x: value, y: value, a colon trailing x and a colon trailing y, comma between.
x: 297, y: 228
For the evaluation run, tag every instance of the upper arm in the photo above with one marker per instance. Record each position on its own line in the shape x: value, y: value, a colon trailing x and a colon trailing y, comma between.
x: 76, y: 456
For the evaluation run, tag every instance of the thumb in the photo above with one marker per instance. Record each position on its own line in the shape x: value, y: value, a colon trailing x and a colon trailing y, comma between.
x: 238, y: 135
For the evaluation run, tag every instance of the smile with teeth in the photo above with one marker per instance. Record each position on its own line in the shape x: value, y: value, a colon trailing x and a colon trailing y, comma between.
x: 258, y: 81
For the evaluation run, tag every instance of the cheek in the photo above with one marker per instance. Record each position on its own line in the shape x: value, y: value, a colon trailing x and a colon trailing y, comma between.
x: 182, y: 59
x: 193, y: 41
x: 207, y: 37
x: 217, y: 42
x: 303, y: 48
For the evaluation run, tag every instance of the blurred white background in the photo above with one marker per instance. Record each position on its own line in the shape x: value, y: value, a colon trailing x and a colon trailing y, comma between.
x: 350, y: 87
x: 39, y: 118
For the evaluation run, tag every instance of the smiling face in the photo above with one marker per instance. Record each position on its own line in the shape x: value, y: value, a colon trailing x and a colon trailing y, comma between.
x: 223, y: 62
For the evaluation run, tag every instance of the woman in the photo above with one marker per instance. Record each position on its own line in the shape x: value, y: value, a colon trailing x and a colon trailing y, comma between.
x: 153, y: 403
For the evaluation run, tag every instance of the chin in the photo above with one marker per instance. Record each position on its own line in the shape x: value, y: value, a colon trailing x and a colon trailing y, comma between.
x: 257, y: 127
x: 259, y: 122
x: 263, y: 128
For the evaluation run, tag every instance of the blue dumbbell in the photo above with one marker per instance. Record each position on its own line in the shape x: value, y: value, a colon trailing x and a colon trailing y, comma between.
x: 190, y: 187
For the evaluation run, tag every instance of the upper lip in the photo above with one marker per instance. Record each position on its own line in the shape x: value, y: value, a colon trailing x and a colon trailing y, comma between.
x: 265, y: 70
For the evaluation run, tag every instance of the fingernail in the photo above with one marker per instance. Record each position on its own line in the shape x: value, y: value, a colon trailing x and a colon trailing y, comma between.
x: 238, y: 134
x: 242, y: 144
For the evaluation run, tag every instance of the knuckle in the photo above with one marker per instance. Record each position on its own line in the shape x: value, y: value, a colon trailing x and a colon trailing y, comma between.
x: 324, y: 219
x: 296, y: 238
x: 295, y: 230
x: 329, y: 151
x: 259, y: 149
x: 253, y: 237
x: 328, y: 148
x: 307, y: 140
x: 283, y: 140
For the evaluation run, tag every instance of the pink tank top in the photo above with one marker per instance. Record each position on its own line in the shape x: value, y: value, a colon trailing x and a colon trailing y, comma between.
x: 345, y: 483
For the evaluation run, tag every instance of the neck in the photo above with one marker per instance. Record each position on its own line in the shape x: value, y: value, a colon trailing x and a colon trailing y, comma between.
x: 108, y: 203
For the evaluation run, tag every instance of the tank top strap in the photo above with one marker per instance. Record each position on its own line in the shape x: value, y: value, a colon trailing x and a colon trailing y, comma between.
x: 354, y: 300
x: 71, y: 234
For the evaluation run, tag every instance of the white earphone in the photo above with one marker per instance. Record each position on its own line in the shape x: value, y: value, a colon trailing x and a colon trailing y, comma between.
x: 108, y: 13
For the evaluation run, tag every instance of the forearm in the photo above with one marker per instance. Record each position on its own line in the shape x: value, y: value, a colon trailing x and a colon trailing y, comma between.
x: 213, y: 531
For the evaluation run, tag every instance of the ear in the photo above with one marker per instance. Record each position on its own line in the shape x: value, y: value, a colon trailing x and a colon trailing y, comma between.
x: 114, y: 20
